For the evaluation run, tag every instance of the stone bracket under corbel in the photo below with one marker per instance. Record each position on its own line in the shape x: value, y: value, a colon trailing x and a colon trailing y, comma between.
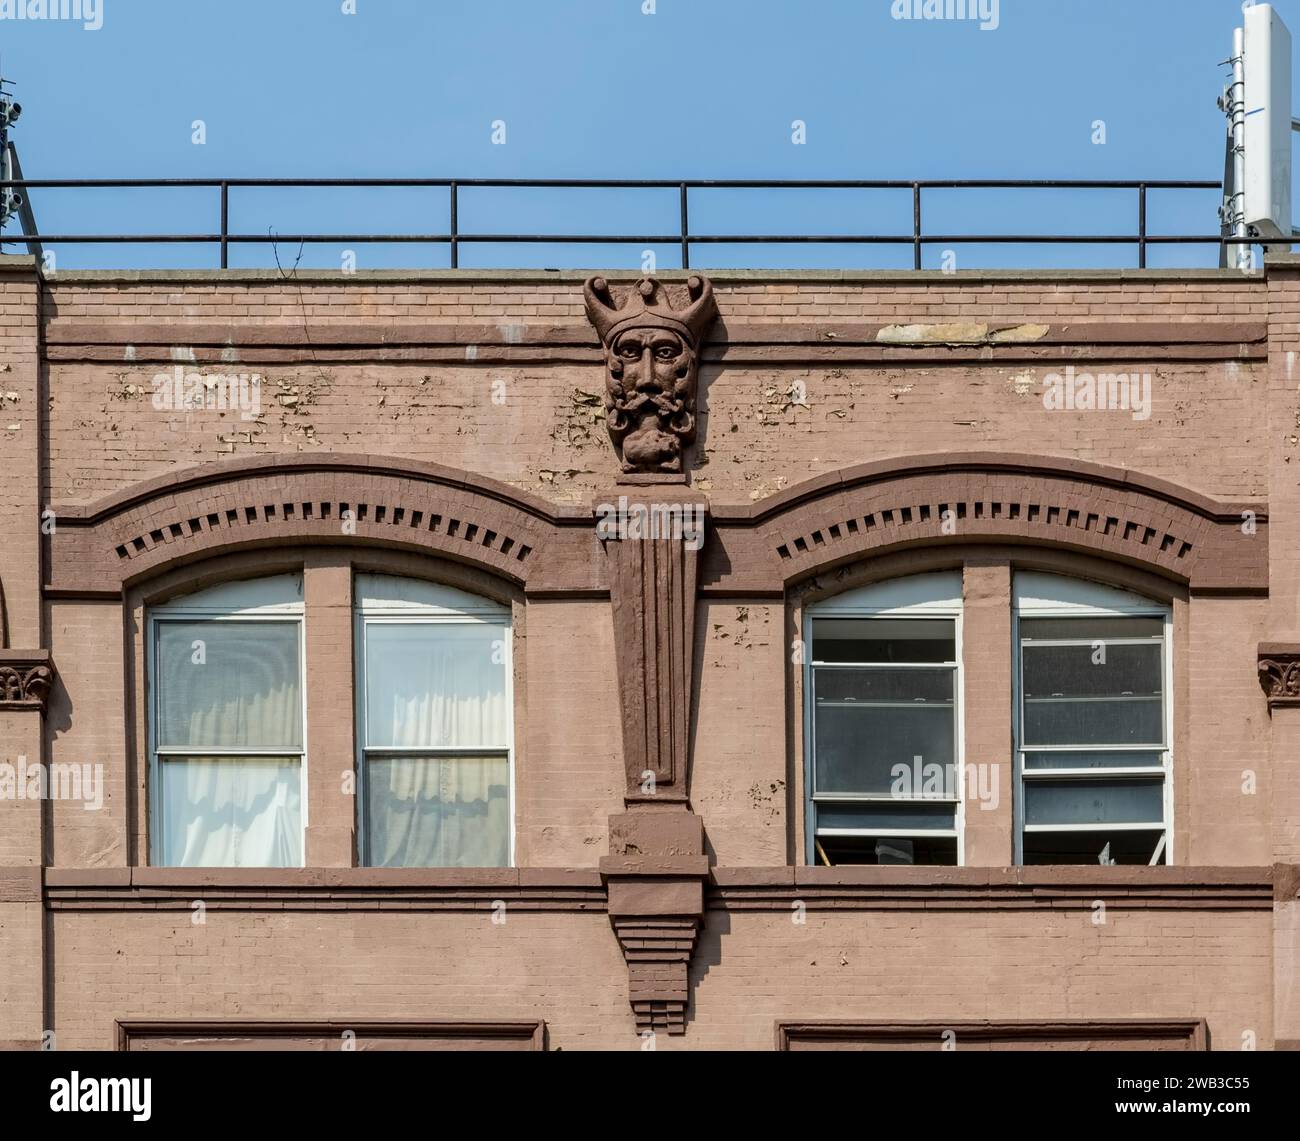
x: 655, y: 880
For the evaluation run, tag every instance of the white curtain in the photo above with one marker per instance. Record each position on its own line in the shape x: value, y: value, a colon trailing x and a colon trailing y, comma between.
x: 439, y: 685
x: 232, y: 812
x: 436, y: 684
x: 437, y: 812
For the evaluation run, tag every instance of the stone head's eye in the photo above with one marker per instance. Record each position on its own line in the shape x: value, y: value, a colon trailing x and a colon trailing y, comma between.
x: 630, y: 350
x: 665, y: 352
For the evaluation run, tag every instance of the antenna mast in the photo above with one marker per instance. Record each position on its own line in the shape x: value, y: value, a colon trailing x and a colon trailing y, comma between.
x: 12, y: 199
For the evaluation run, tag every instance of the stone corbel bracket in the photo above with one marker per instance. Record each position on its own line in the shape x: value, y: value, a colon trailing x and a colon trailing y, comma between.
x: 657, y: 866
x: 1279, y: 673
x: 655, y: 879
x: 26, y: 678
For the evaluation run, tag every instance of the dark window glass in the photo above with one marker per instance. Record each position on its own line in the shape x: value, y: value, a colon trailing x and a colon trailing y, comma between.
x: 933, y: 850
x: 1092, y: 847
x: 884, y: 640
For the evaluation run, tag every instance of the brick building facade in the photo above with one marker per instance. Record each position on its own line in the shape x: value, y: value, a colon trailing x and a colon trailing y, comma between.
x: 891, y: 495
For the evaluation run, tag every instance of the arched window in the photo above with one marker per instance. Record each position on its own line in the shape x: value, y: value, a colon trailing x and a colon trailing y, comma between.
x: 1093, y: 724
x: 226, y: 730
x: 883, y: 724
x: 434, y: 722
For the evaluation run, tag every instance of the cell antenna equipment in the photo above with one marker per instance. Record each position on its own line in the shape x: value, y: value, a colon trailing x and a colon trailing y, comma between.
x: 13, y: 200
x: 1257, y: 167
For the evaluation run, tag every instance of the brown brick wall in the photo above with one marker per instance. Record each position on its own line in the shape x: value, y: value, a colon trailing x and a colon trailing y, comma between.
x: 1223, y: 425
x: 105, y: 434
x: 754, y: 969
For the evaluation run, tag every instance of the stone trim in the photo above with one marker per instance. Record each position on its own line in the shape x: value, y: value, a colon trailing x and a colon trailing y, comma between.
x: 653, y: 597
x: 873, y: 509
x: 1286, y: 883
x: 26, y: 678
x: 325, y: 889
x: 752, y: 551
x: 666, y: 883
x: 1279, y: 673
x: 841, y: 342
x: 1180, y: 1034
x: 985, y: 889
x: 101, y: 549
x: 131, y: 1032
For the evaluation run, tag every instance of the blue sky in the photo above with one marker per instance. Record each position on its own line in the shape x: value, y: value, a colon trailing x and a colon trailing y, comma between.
x: 597, y: 89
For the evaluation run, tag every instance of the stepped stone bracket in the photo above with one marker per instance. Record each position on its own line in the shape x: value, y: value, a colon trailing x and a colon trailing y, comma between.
x: 658, y: 954
x: 655, y: 879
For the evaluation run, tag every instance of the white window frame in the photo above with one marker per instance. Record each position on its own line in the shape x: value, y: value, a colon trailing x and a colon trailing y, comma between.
x: 275, y: 599
x: 922, y: 596
x: 429, y: 604
x: 1036, y: 595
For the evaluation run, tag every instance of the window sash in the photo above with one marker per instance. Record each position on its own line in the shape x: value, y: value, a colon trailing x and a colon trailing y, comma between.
x: 367, y: 694
x: 895, y: 817
x: 405, y: 826
x: 162, y: 755
x: 1026, y: 776
x: 170, y: 764
x: 885, y: 621
x: 367, y: 616
x: 946, y: 709
x: 158, y: 685
x: 1023, y: 702
x: 949, y: 614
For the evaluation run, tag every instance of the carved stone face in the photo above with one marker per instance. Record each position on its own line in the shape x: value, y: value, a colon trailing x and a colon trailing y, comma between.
x: 650, y: 398
x: 653, y: 337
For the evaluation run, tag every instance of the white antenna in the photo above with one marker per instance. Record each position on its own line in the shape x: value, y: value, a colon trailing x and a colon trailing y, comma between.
x: 1268, y: 123
x: 1257, y: 174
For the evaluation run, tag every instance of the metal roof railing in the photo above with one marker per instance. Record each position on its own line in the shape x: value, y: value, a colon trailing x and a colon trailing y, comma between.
x: 683, y: 238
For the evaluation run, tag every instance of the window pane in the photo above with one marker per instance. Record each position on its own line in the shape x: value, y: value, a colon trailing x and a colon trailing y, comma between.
x: 884, y: 640
x: 888, y: 818
x: 1089, y: 802
x: 922, y: 687
x: 231, y: 812
x: 1082, y: 721
x: 229, y: 685
x: 438, y: 812
x: 1093, y: 760
x: 1092, y: 847
x: 1091, y: 629
x: 436, y: 684
x: 1108, y: 670
x: 1078, y: 695
x: 869, y: 721
x: 933, y: 850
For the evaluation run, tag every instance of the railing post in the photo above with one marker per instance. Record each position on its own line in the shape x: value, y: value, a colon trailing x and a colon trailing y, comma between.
x: 686, y: 229
x: 225, y: 225
x: 916, y: 225
x: 455, y: 246
x: 1142, y: 226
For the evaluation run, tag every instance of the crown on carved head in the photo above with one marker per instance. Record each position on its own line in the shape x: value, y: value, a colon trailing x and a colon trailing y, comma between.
x: 648, y: 304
